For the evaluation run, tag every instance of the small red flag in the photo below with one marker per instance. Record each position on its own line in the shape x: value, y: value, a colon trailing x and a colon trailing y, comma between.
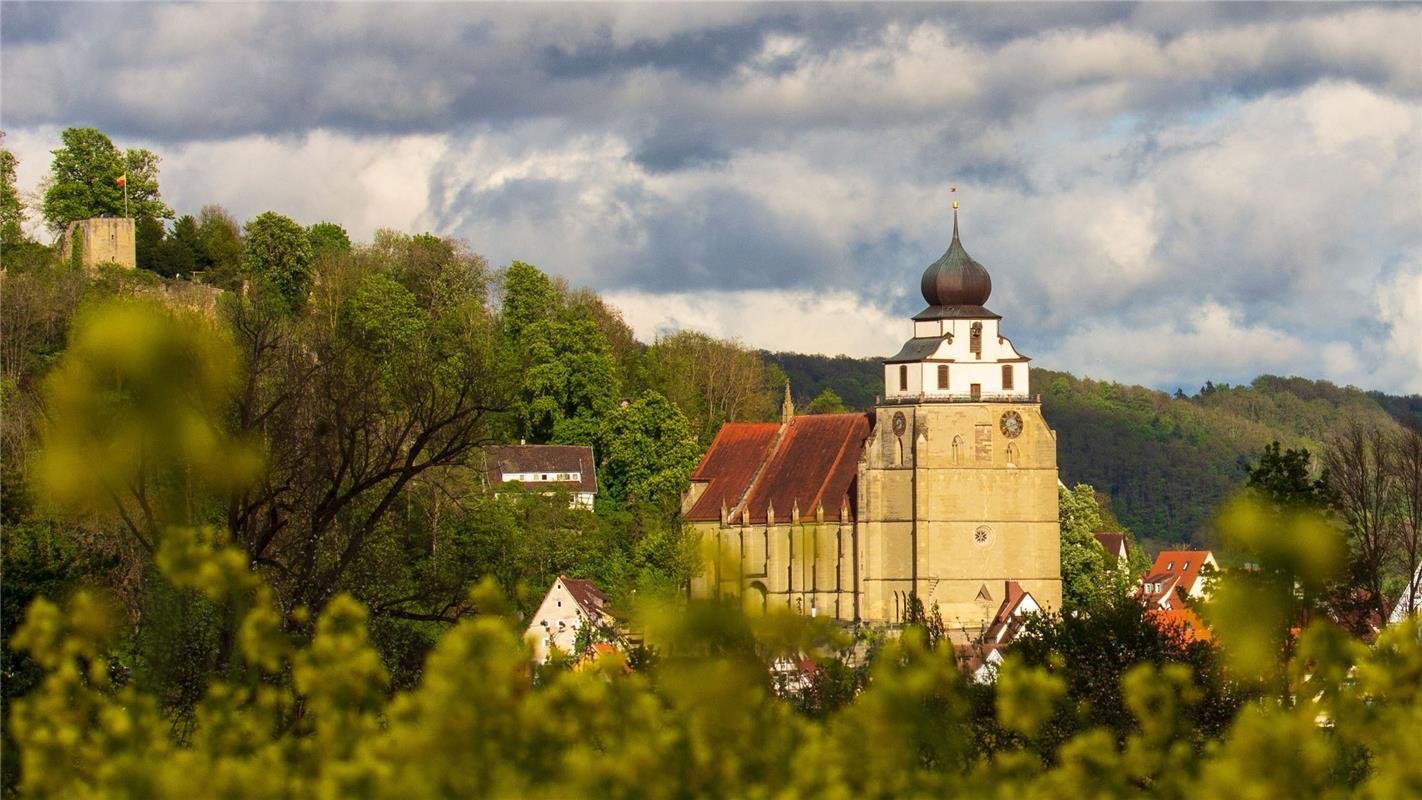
x: 122, y: 180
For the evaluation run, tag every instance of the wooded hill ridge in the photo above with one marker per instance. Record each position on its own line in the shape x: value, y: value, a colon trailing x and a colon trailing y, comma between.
x: 1166, y: 461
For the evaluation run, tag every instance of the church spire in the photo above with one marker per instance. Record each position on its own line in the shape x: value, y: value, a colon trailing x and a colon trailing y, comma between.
x: 787, y: 408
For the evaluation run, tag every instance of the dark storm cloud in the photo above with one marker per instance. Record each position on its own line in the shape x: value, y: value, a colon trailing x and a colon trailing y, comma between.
x: 673, y: 146
x: 206, y: 72
x: 1149, y: 182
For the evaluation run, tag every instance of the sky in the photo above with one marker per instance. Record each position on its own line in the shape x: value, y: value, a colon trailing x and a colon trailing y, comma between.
x: 1164, y: 194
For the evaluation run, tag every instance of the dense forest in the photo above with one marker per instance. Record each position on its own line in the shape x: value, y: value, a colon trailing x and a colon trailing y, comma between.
x: 1165, y: 461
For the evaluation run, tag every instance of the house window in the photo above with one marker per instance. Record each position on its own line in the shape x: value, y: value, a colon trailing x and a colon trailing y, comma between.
x: 1170, y: 567
x: 1007, y: 376
x: 903, y: 377
x: 1185, y: 566
x: 943, y: 377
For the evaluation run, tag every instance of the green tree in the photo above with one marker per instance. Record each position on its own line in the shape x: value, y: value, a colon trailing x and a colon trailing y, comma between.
x: 220, y: 247
x: 178, y: 253
x: 328, y: 238
x: 277, y: 253
x: 86, y: 172
x: 1090, y: 576
x: 647, y: 451
x: 712, y: 381
x: 826, y: 403
x: 148, y: 239
x: 570, y: 381
x: 529, y: 296
x: 12, y: 211
x: 1284, y: 478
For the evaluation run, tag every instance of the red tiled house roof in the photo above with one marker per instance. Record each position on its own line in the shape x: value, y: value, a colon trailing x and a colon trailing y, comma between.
x: 809, y: 461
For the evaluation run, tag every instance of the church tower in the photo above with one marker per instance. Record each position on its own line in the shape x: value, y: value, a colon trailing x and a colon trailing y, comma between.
x: 959, y: 477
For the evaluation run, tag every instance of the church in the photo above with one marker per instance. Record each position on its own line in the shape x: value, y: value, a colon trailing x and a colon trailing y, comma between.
x: 947, y: 490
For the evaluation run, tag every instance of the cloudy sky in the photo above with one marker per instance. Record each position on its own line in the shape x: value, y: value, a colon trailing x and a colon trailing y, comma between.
x: 1163, y: 194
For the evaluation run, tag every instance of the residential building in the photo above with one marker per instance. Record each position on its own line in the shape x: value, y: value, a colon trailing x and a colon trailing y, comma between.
x: 570, y: 604
x: 1176, y: 575
x: 545, y: 468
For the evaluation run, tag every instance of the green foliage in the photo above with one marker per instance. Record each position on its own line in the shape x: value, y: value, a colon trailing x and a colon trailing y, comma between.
x: 1284, y: 479
x: 1102, y: 703
x: 1093, y: 650
x: 570, y: 381
x: 857, y: 380
x: 712, y: 381
x: 328, y: 239
x: 219, y: 253
x: 12, y: 211
x: 277, y: 252
x: 133, y: 421
x: 826, y: 402
x: 180, y: 251
x: 76, y: 250
x: 1090, y: 575
x: 147, y: 242
x: 648, y: 452
x: 86, y: 170
x: 528, y: 297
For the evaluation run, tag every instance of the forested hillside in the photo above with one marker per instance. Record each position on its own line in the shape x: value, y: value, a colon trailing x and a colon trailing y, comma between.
x: 1165, y: 461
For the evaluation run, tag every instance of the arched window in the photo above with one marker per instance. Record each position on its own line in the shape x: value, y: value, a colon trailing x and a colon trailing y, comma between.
x: 957, y: 450
x: 1012, y: 455
x: 755, y: 598
x: 975, y: 342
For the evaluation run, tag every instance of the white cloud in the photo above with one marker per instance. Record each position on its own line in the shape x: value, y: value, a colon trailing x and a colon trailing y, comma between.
x: 837, y: 323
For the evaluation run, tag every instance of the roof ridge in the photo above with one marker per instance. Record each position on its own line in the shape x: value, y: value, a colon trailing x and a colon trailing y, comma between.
x: 770, y: 452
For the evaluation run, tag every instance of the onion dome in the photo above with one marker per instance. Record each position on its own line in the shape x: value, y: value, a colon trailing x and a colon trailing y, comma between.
x: 956, y: 279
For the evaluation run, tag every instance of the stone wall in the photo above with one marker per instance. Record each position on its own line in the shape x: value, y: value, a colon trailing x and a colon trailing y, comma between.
x: 106, y: 240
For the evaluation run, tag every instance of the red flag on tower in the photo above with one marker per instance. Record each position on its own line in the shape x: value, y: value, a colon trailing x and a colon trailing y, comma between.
x: 122, y: 180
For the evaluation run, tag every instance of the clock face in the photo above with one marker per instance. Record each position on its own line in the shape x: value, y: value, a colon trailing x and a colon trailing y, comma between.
x: 1011, y: 424
x: 900, y: 424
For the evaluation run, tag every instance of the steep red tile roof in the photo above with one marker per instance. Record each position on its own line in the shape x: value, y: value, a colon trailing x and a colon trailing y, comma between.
x: 729, y: 465
x: 1183, y: 564
x: 816, y: 461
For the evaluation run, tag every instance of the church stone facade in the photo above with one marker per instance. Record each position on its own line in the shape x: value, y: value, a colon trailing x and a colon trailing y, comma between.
x: 947, y: 490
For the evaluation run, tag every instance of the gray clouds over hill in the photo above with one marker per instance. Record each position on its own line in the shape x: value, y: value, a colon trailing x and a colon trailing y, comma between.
x: 1164, y: 193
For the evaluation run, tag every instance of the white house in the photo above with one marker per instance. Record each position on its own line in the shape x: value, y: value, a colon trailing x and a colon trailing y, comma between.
x: 570, y: 604
x: 545, y: 468
x: 984, y: 657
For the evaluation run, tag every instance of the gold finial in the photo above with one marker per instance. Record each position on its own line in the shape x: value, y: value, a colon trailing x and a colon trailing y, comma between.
x: 954, y: 190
